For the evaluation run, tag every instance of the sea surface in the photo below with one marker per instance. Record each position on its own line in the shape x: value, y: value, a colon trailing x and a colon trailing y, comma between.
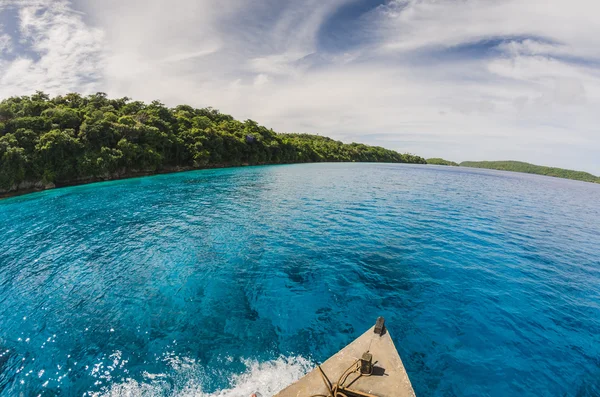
x: 225, y: 282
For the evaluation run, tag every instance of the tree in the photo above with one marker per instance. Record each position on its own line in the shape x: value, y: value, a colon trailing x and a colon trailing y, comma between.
x: 12, y: 162
x: 58, y: 151
x: 63, y: 117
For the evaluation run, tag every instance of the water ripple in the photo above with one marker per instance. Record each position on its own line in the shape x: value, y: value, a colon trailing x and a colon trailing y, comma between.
x: 224, y: 282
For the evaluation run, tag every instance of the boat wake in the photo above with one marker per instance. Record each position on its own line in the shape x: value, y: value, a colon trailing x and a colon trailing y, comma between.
x: 266, y: 378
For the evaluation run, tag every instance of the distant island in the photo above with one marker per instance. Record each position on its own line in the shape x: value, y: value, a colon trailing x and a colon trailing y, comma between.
x: 439, y: 161
x: 519, y: 166
x: 74, y: 139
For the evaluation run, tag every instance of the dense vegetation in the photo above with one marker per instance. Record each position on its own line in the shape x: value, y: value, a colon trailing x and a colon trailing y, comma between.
x: 518, y: 166
x: 76, y: 139
x: 439, y: 161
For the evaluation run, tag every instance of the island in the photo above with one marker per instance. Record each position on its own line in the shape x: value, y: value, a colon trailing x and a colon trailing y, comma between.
x: 439, y: 161
x: 519, y: 166
x: 73, y: 139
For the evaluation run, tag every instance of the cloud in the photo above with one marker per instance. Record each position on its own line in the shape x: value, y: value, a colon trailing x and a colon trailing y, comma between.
x: 63, y: 54
x: 469, y: 79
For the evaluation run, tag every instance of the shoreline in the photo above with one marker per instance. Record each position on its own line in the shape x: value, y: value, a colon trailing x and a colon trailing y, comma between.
x: 40, y: 187
x: 116, y: 177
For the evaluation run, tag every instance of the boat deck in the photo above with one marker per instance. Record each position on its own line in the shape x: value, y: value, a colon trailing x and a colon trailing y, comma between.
x: 389, y: 378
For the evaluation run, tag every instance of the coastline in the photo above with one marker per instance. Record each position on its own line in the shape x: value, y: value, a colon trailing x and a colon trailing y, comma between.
x: 39, y: 186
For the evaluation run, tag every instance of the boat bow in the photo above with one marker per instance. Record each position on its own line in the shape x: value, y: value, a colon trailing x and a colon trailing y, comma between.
x: 370, y: 366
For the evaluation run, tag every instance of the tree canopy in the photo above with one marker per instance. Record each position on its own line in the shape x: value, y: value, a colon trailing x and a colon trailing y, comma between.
x: 74, y: 139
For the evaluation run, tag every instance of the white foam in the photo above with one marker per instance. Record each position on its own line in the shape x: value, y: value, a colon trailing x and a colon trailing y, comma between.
x: 265, y: 378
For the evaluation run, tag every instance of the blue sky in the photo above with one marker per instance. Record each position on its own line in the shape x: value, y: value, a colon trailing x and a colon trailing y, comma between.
x: 463, y: 80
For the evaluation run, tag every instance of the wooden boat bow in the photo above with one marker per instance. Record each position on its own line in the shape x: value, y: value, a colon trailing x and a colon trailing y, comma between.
x: 370, y: 366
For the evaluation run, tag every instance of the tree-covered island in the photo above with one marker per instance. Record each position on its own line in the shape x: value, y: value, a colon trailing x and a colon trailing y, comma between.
x: 519, y: 166
x: 74, y: 139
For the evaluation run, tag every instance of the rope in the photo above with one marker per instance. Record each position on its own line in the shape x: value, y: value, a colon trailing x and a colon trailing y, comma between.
x: 338, y: 389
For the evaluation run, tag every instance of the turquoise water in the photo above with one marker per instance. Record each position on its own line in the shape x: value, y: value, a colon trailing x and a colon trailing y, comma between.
x: 223, y: 282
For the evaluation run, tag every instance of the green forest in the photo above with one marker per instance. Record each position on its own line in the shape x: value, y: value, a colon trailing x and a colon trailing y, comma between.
x: 74, y: 139
x: 518, y: 166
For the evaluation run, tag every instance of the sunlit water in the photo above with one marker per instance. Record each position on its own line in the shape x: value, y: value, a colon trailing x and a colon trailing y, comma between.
x: 225, y: 282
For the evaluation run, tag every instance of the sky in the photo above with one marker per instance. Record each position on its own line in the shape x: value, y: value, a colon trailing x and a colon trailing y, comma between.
x: 458, y: 79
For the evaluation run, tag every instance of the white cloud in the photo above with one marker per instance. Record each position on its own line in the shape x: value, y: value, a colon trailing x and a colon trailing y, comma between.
x: 63, y: 54
x: 470, y: 79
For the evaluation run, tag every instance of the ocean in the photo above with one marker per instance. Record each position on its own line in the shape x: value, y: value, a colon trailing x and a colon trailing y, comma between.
x: 229, y: 281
